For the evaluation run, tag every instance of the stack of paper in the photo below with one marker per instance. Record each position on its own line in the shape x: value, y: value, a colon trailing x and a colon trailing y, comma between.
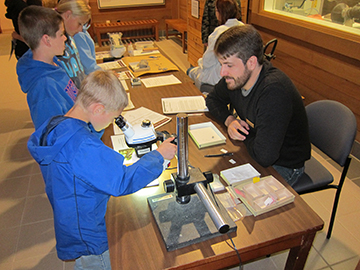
x: 240, y: 173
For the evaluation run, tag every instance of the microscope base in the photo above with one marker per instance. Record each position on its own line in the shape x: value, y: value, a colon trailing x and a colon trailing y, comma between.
x: 182, y: 225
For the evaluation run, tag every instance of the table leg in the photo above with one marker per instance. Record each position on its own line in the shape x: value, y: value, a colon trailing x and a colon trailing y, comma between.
x: 156, y: 32
x: 298, y: 255
x: 98, y: 35
x: 166, y: 30
x: 183, y: 41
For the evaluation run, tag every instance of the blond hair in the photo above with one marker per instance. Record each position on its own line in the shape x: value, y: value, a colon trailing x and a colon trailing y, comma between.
x: 77, y: 7
x: 102, y: 86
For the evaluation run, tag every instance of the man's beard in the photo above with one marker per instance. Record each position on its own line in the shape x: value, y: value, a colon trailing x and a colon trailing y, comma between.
x: 238, y: 82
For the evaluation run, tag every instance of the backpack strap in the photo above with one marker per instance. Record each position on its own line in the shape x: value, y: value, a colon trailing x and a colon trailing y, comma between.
x: 56, y: 120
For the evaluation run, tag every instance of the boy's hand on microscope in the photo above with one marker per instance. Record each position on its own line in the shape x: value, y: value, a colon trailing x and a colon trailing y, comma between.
x: 168, y: 149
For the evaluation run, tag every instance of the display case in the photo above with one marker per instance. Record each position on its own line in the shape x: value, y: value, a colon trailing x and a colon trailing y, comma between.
x: 343, y: 16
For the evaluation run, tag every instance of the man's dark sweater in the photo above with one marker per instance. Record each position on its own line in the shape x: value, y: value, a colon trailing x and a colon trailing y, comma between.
x: 276, y: 116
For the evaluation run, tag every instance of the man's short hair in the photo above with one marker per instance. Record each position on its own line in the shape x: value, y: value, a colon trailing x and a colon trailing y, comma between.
x: 228, y: 9
x: 102, y: 86
x: 243, y: 41
x: 35, y: 22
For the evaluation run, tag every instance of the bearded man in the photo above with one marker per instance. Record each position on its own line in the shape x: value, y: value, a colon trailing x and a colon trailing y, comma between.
x: 269, y: 115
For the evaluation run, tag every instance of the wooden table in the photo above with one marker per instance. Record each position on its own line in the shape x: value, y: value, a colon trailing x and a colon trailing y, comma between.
x: 136, y: 243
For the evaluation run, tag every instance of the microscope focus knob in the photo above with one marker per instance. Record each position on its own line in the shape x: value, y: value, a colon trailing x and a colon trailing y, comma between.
x: 169, y: 186
x: 146, y: 123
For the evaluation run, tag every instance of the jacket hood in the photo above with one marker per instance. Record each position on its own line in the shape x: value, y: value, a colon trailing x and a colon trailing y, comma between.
x: 45, y: 151
x: 29, y: 71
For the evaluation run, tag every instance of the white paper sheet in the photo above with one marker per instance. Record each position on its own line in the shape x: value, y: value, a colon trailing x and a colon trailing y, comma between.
x: 112, y: 65
x: 184, y: 104
x: 160, y: 81
x: 130, y: 157
x: 136, y: 116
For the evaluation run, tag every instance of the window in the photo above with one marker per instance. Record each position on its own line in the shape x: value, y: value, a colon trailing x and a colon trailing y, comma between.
x: 341, y: 16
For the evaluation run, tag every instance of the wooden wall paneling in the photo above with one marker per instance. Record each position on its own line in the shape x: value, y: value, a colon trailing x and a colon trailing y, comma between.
x: 195, y: 46
x: 318, y: 74
x: 244, y: 6
x: 183, y: 9
x: 331, y: 72
x: 334, y: 63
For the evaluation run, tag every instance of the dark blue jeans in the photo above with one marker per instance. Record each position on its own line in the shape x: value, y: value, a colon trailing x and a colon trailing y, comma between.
x: 290, y: 175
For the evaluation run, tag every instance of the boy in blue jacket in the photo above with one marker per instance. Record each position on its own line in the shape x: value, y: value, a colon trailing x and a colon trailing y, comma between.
x: 49, y: 89
x: 81, y: 173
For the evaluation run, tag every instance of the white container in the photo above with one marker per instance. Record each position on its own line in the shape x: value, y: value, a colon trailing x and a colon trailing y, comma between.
x: 144, y: 44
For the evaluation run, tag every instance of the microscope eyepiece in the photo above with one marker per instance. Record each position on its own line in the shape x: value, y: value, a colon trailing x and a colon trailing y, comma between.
x: 120, y: 121
x: 124, y: 126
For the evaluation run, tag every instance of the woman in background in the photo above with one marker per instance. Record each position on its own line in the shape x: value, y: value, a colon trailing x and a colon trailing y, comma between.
x: 208, y: 69
x: 86, y: 47
x: 76, y: 14
x: 209, y: 21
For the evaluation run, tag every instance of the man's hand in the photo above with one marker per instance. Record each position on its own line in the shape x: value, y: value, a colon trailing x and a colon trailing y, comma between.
x: 168, y: 149
x: 237, y: 129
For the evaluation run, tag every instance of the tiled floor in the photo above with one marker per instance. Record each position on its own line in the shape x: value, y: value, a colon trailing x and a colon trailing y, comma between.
x: 26, y: 225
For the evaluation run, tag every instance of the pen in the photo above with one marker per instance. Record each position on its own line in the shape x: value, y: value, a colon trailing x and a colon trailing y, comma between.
x: 242, y: 133
x: 220, y: 155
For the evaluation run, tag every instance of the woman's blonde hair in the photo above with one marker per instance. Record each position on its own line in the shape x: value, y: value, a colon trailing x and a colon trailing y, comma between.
x: 77, y: 7
x: 102, y: 86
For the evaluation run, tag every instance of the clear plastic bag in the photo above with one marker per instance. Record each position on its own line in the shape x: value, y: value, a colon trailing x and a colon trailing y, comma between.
x: 117, y: 48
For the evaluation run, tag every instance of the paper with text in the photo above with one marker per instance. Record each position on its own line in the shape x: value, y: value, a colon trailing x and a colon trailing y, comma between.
x: 136, y: 116
x: 160, y: 81
x: 184, y: 104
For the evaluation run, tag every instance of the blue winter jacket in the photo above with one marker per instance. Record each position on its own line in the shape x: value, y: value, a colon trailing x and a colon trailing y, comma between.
x: 49, y: 89
x: 86, y: 49
x: 80, y: 175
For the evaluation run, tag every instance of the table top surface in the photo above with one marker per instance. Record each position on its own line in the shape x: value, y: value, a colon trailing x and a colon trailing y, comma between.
x: 134, y: 239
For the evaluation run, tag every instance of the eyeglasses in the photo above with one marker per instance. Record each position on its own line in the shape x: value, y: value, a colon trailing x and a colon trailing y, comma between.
x: 87, y: 25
